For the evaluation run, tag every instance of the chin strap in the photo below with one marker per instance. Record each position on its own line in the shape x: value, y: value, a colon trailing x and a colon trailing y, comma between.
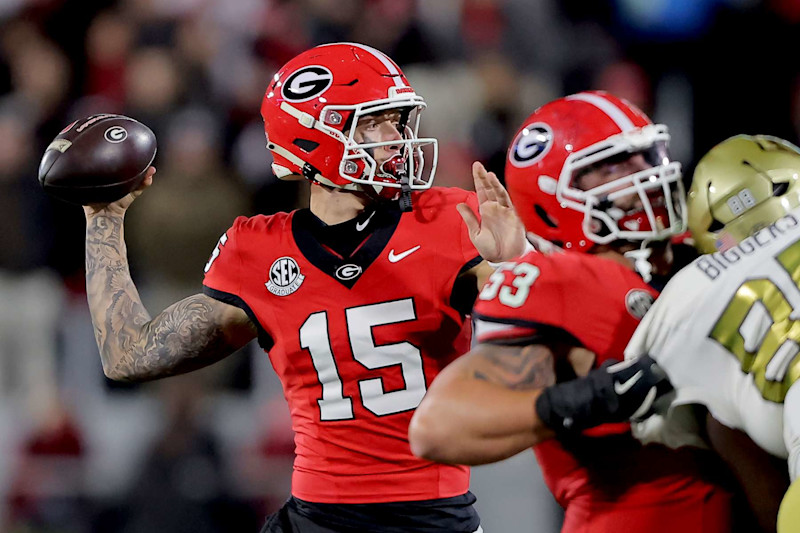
x: 405, y: 195
x: 640, y: 261
x: 396, y: 166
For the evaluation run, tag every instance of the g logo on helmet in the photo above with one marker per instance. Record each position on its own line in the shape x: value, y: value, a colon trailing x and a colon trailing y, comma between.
x: 115, y: 134
x: 307, y: 83
x: 531, y: 144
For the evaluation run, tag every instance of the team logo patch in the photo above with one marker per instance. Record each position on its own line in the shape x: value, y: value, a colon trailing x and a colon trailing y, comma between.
x: 637, y: 302
x: 307, y: 83
x: 531, y: 144
x: 347, y: 272
x: 115, y: 134
x: 284, y: 277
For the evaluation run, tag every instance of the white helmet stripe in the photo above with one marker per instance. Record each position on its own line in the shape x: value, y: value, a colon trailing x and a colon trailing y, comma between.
x: 383, y: 58
x: 608, y: 107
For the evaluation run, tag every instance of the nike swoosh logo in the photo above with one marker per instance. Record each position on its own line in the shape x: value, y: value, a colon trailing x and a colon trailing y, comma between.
x: 394, y: 258
x: 361, y: 225
x: 622, y: 388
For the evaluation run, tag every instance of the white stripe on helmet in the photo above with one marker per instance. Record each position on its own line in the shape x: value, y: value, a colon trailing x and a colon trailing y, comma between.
x: 383, y: 58
x: 608, y: 107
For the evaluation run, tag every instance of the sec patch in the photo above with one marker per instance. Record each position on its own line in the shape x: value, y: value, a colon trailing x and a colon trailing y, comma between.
x: 284, y: 277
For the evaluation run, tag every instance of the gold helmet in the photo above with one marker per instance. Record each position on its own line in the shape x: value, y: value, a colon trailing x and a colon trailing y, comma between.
x: 743, y: 184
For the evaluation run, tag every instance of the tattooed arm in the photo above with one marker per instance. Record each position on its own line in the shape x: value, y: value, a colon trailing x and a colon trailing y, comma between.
x: 188, y: 335
x: 480, y: 408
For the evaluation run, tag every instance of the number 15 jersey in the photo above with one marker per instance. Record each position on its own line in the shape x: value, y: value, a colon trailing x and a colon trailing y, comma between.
x: 355, y: 340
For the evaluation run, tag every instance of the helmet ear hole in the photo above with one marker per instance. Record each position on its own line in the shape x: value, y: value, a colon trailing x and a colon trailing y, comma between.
x: 544, y: 216
x: 779, y: 188
x: 715, y: 226
x: 305, y: 145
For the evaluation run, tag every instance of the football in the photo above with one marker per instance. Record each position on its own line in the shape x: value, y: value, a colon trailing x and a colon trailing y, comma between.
x: 98, y: 159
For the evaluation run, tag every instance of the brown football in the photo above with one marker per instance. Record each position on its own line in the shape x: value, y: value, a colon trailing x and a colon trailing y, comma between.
x: 98, y: 159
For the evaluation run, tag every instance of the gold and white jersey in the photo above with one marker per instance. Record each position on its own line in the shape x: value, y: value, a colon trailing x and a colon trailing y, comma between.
x: 726, y: 330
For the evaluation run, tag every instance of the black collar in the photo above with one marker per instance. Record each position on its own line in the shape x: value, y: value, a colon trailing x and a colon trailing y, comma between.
x: 345, y: 251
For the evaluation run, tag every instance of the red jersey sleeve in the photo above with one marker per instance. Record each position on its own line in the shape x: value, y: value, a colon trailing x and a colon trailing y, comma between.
x: 509, y: 309
x: 224, y: 275
x: 223, y: 270
x: 595, y: 302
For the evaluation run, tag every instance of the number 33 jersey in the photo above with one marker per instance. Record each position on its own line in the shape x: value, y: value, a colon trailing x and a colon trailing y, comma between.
x: 355, y: 340
x: 726, y: 330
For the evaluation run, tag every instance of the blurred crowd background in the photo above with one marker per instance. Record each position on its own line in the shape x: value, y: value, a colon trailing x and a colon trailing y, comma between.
x: 212, y: 451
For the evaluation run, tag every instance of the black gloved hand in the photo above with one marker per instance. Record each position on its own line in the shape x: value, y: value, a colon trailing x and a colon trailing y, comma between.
x: 615, y: 392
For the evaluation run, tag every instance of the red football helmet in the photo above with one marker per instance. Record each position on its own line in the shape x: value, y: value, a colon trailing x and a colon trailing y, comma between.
x: 313, y: 104
x: 563, y: 140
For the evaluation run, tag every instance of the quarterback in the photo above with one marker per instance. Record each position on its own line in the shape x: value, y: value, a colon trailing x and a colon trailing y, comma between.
x: 359, y: 300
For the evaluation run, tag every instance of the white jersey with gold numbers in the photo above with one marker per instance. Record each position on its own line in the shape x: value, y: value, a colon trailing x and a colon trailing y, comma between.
x: 726, y: 330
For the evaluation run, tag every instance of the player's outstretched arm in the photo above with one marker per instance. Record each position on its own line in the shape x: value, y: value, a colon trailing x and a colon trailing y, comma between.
x: 481, y: 407
x: 190, y: 334
x: 496, y: 401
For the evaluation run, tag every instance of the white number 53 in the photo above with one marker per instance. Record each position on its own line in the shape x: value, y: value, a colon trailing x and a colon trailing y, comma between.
x: 524, y: 276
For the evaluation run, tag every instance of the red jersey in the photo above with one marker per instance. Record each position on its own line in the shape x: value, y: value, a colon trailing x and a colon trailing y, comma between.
x: 355, y: 340
x: 604, y: 479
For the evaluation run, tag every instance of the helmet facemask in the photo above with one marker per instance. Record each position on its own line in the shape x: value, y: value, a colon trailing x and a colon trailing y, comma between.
x: 642, y: 206
x: 405, y: 169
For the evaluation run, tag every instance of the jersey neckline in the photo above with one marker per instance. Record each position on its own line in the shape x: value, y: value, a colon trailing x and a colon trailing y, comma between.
x: 382, y: 225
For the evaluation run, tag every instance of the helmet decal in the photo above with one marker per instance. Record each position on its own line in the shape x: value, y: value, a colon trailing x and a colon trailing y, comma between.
x: 531, y: 144
x: 307, y: 83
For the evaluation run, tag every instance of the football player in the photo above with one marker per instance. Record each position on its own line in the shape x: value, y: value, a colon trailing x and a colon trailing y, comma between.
x: 592, y: 174
x: 726, y: 327
x: 359, y: 300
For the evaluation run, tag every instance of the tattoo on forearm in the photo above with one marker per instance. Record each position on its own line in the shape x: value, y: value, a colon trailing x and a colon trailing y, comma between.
x: 183, y: 337
x: 519, y: 368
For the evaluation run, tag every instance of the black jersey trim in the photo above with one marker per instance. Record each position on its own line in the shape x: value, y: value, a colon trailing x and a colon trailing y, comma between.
x: 383, y: 225
x: 465, y: 288
x: 264, y: 339
x: 544, y: 333
x: 472, y: 263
